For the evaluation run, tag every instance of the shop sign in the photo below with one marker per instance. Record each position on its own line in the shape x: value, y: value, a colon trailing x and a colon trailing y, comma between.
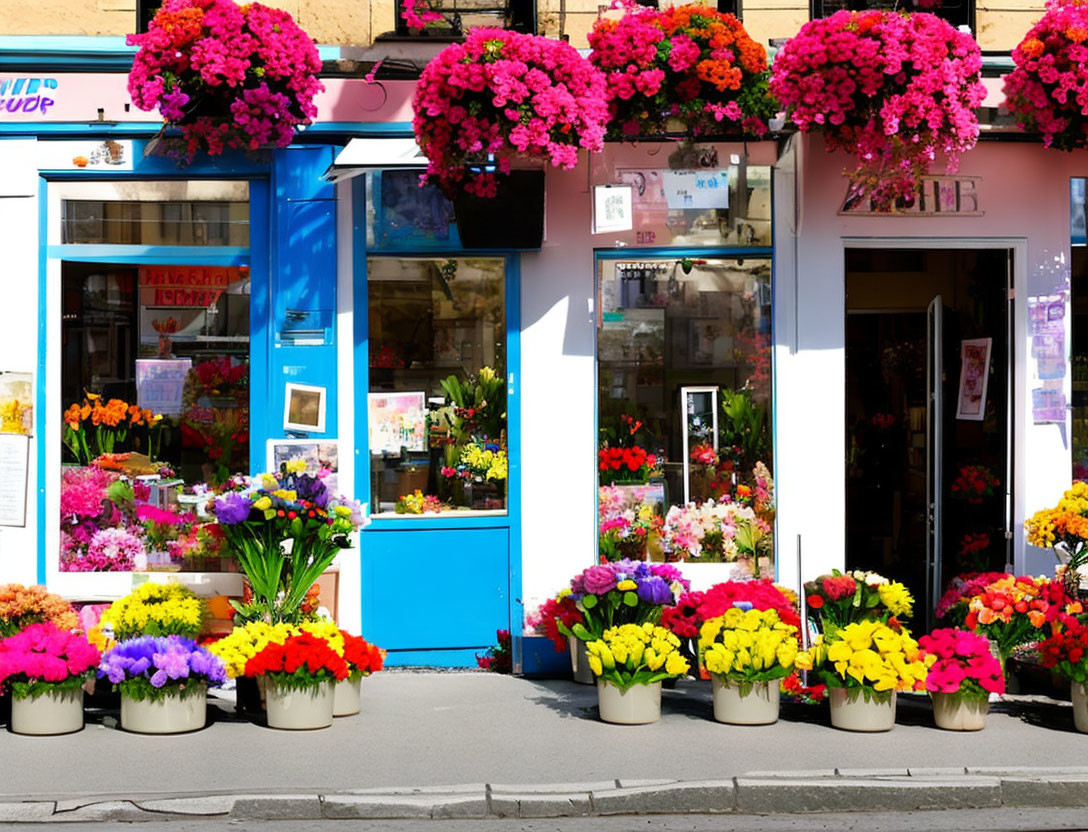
x: 939, y: 196
x: 187, y: 286
x: 22, y: 96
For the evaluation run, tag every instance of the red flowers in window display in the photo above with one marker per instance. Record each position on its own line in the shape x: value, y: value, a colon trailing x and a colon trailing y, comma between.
x: 973, y: 483
x: 632, y: 464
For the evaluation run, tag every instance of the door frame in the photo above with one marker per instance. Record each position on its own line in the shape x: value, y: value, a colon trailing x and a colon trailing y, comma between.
x: 1018, y: 247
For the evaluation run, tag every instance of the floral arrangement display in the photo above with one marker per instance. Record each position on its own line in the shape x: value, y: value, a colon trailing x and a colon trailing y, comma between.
x: 626, y: 465
x: 470, y: 429
x: 839, y: 599
x: 479, y: 460
x: 1067, y: 650
x: 690, y: 63
x: 713, y: 532
x: 744, y: 647
x: 95, y: 427
x: 1065, y: 527
x: 477, y: 406
x: 156, y: 667
x: 21, y: 606
x: 624, y: 592
x: 269, y: 511
x: 636, y: 654
x: 693, y: 609
x: 364, y: 658
x: 302, y: 662
x: 973, y: 483
x: 418, y: 503
x: 246, y: 640
x: 226, y: 75
x: 44, y: 658
x: 892, y: 89
x: 868, y: 658
x: 498, y: 659
x: 1043, y: 90
x: 154, y: 609
x: 504, y: 93
x: 215, y: 415
x: 960, y: 662
x: 556, y: 618
x: 952, y: 607
x: 625, y: 530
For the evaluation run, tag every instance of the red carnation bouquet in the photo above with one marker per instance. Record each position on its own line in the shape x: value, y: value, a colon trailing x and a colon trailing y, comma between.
x: 302, y: 662
x: 362, y: 657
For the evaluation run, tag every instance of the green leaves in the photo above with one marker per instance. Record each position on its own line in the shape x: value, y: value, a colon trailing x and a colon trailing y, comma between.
x: 589, y: 601
x: 630, y: 599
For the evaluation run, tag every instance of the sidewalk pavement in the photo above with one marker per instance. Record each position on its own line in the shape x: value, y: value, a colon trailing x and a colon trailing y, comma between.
x: 474, y: 745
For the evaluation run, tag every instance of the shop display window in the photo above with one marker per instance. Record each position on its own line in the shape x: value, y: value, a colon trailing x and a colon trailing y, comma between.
x: 436, y: 407
x: 155, y: 392
x: 684, y: 404
x: 155, y: 223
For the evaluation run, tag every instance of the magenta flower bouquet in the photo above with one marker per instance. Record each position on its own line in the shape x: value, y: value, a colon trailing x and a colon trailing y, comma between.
x: 226, y: 75
x: 44, y: 658
x: 1045, y: 92
x: 690, y: 63
x: 502, y: 93
x: 960, y: 663
x: 892, y: 89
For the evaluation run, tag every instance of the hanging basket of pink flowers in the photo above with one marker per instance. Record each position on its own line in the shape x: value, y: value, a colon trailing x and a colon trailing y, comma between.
x: 893, y: 89
x: 227, y: 76
x: 1045, y: 92
x: 497, y: 97
x: 688, y: 69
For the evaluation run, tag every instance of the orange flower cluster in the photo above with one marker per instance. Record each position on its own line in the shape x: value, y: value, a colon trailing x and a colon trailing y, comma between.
x: 721, y: 31
x: 21, y: 606
x: 185, y: 26
x: 111, y: 414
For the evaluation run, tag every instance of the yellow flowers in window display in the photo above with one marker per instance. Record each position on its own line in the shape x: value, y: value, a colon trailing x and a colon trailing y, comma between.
x: 869, y: 656
x: 155, y: 610
x: 490, y: 463
x: 636, y: 654
x: 746, y: 646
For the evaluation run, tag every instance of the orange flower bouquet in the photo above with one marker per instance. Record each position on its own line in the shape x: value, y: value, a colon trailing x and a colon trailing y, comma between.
x: 96, y: 427
x: 21, y: 606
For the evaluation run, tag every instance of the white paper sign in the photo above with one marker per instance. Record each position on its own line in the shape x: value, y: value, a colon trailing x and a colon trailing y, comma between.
x: 612, y: 208
x: 160, y: 383
x: 14, y: 457
x: 700, y: 189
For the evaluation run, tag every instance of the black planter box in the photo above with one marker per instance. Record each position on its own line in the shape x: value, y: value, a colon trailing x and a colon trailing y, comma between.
x: 514, y: 218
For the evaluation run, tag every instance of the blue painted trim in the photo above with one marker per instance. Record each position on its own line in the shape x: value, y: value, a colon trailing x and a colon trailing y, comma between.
x: 153, y: 255
x: 129, y: 129
x: 361, y: 321
x: 446, y: 520
x: 514, y: 443
x: 435, y: 657
x: 260, y: 322
x: 40, y: 381
x: 644, y: 253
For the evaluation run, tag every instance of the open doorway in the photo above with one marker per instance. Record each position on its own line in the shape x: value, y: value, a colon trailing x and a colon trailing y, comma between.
x: 927, y: 416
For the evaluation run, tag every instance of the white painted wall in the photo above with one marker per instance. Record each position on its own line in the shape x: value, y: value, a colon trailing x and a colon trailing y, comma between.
x: 19, y: 328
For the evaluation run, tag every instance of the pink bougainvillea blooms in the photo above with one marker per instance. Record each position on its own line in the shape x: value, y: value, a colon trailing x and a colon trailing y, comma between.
x: 690, y: 63
x: 505, y: 93
x: 1047, y: 92
x: 228, y: 76
x: 892, y: 89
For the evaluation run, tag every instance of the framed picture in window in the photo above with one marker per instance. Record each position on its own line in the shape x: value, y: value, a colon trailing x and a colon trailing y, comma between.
x: 304, y: 408
x: 974, y: 373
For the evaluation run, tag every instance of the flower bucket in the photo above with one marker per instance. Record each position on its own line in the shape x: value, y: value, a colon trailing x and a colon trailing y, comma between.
x: 299, y: 710
x: 1080, y: 706
x: 851, y: 712
x: 638, y: 705
x: 513, y: 218
x: 347, y: 697
x: 579, y: 662
x: 169, y: 715
x: 54, y: 712
x: 757, y: 706
x: 954, y: 712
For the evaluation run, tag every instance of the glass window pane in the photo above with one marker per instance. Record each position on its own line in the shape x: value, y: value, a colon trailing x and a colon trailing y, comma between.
x: 684, y: 404
x: 212, y: 223
x: 437, y: 406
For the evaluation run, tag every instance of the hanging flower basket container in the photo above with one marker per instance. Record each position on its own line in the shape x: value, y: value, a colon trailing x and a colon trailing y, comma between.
x: 688, y: 69
x: 894, y: 90
x: 1042, y: 92
x: 227, y: 76
x: 498, y: 97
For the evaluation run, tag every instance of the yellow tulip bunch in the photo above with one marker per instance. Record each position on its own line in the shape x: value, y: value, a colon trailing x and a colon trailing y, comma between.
x: 867, y: 655
x: 636, y: 654
x: 748, y: 646
x: 246, y: 641
x: 155, y: 610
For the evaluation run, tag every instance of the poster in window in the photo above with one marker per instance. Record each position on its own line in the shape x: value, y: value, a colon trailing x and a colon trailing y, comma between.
x: 17, y: 403
x: 322, y: 458
x: 160, y: 384
x: 974, y: 374
x: 397, y: 421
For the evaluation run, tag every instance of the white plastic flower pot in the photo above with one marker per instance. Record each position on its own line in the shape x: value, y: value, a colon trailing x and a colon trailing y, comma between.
x: 638, y: 705
x: 1080, y: 706
x: 579, y: 662
x: 169, y: 715
x: 756, y: 706
x: 851, y: 712
x: 299, y: 710
x: 953, y: 712
x: 54, y: 712
x: 347, y: 697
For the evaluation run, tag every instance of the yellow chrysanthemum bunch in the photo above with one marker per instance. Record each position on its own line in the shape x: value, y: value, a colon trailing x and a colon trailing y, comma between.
x: 748, y: 646
x: 155, y: 610
x: 1065, y: 523
x: 636, y: 654
x: 897, y: 598
x: 246, y: 641
x: 867, y: 654
x: 491, y: 464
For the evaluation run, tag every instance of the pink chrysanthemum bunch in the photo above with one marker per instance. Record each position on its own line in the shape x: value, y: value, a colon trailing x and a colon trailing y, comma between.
x: 691, y: 63
x: 892, y: 89
x: 505, y: 93
x: 1047, y: 92
x: 226, y: 75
